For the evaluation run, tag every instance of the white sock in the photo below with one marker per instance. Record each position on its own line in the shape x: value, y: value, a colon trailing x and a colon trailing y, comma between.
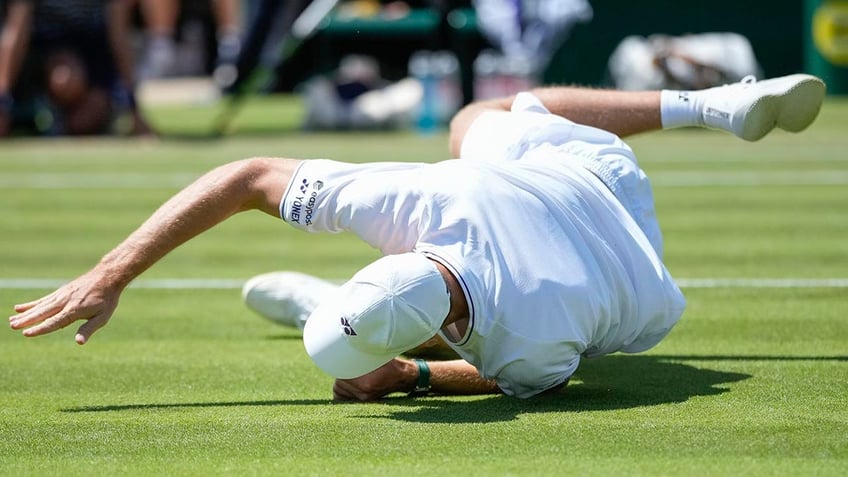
x: 681, y: 108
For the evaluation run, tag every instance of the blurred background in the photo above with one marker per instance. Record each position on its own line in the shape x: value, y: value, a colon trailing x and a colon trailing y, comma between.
x: 96, y: 67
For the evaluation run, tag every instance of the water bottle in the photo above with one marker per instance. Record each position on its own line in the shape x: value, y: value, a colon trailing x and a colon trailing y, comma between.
x: 421, y: 68
x: 445, y: 68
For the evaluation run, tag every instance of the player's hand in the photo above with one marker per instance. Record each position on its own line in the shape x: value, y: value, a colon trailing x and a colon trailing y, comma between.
x: 397, y: 375
x: 87, y: 298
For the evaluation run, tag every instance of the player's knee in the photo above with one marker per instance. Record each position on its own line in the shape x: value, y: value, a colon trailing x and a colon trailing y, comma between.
x: 459, y: 126
x: 462, y: 121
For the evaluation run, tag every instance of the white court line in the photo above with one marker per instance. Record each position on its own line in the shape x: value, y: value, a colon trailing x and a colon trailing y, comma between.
x: 235, y: 284
x: 694, y: 178
x: 733, y: 159
x: 748, y: 178
x: 78, y: 180
x: 762, y: 282
x: 152, y: 283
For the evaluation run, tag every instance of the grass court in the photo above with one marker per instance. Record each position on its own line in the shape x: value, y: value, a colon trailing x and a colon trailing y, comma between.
x: 187, y: 381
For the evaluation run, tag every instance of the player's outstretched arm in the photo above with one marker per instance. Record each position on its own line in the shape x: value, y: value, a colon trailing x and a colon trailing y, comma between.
x: 453, y: 377
x: 257, y: 183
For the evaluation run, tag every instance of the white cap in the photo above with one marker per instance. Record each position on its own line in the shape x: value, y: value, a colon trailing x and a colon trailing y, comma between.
x: 390, y: 306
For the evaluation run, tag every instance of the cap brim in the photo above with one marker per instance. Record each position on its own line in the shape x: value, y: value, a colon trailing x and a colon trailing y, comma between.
x: 395, y: 304
x: 328, y: 346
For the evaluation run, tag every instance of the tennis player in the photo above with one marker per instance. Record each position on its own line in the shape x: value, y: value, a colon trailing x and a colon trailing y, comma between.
x: 537, y: 248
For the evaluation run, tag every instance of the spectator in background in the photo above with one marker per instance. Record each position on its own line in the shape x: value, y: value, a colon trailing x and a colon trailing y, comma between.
x: 524, y: 36
x: 693, y: 61
x: 531, y: 30
x: 161, y: 58
x: 66, y: 67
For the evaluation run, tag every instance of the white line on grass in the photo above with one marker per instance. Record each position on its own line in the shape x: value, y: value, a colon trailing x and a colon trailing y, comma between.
x: 79, y: 180
x: 762, y: 282
x: 748, y: 178
x: 736, y: 159
x: 693, y: 178
x: 233, y: 284
x: 152, y: 283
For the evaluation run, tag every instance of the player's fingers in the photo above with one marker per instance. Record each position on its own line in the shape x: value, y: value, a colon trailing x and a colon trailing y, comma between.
x: 22, y: 307
x: 55, y: 322
x: 354, y: 389
x: 37, y: 314
x: 89, y: 327
x: 344, y: 391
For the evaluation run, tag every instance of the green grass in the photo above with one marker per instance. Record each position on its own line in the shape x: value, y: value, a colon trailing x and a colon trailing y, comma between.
x: 753, y: 381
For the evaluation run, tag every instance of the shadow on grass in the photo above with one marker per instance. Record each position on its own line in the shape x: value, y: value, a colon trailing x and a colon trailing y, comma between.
x: 285, y: 337
x: 152, y: 406
x: 609, y: 383
x: 754, y: 357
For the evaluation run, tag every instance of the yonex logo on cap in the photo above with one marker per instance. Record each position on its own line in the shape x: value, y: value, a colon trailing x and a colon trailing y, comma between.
x: 348, y: 330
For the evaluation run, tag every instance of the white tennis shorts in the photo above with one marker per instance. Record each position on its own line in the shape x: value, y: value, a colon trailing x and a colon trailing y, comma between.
x: 510, y: 135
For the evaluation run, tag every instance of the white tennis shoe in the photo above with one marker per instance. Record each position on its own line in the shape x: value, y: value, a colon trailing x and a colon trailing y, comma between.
x: 750, y: 109
x: 286, y: 298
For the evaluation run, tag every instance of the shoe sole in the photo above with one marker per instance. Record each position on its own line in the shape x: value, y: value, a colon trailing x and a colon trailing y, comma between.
x: 792, y: 109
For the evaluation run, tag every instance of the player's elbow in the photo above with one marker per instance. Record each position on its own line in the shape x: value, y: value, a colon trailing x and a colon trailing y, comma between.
x: 264, y: 180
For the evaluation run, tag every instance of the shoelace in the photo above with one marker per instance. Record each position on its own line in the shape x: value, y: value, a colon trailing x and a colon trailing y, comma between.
x: 745, y: 81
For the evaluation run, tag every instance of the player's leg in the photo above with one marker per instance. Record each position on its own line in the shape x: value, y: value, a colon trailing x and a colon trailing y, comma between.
x: 623, y: 113
x: 748, y: 109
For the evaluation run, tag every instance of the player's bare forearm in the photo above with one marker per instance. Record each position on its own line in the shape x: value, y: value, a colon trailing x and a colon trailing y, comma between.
x: 459, y: 377
x: 455, y: 377
x: 92, y: 297
x: 249, y: 184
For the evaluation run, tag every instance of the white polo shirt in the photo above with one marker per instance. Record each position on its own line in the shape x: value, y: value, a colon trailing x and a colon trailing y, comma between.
x: 552, y: 265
